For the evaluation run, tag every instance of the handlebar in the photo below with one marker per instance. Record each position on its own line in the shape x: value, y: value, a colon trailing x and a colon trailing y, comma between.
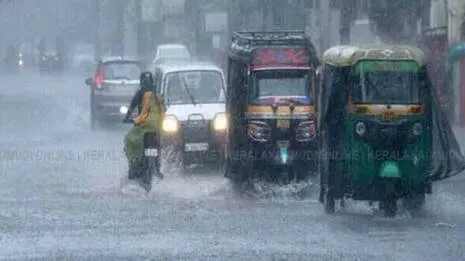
x: 128, y: 120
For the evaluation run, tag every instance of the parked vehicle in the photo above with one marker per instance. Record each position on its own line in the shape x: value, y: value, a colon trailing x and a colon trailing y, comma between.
x: 115, y: 82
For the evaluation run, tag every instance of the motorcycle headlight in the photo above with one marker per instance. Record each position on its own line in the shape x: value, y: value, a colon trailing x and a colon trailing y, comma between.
x: 20, y: 62
x: 170, y: 124
x: 417, y: 129
x: 306, y: 131
x: 123, y: 109
x: 220, y: 123
x: 259, y: 131
x: 360, y: 128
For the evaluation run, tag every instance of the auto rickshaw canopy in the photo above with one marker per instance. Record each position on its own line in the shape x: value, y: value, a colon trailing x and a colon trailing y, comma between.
x: 347, y: 55
x: 245, y: 46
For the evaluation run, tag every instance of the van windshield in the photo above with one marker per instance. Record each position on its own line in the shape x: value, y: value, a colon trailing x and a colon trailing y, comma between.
x: 187, y: 87
x: 386, y: 82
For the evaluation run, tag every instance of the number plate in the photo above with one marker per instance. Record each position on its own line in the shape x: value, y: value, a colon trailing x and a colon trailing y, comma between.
x: 196, y: 147
x: 283, y: 124
x: 283, y: 143
x: 151, y: 152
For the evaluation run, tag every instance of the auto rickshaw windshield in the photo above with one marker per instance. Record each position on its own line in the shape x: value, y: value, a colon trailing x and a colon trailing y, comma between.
x: 386, y: 82
x: 280, y: 83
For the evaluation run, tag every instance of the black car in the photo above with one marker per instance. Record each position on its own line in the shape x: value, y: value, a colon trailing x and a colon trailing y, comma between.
x: 51, y: 62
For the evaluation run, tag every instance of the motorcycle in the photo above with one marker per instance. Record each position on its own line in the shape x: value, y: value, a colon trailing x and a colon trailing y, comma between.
x: 149, y: 166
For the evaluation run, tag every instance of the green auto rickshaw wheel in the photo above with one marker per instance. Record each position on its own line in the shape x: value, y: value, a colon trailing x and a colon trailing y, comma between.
x: 390, y: 207
x: 330, y: 204
x: 389, y: 204
x: 414, y: 202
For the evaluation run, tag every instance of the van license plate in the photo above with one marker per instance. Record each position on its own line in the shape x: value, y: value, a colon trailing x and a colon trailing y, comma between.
x: 196, y: 147
x: 151, y: 152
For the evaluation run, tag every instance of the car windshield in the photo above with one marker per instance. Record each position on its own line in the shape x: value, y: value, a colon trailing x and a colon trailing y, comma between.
x: 174, y: 52
x: 280, y: 84
x: 194, y: 86
x: 386, y: 83
x: 122, y: 71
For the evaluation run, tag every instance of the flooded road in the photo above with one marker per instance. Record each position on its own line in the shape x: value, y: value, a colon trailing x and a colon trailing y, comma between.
x: 60, y: 200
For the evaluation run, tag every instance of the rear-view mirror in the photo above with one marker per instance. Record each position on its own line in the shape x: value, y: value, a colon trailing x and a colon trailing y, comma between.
x: 88, y: 81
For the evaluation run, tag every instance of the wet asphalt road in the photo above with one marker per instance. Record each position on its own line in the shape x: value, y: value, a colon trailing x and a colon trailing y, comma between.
x: 60, y: 200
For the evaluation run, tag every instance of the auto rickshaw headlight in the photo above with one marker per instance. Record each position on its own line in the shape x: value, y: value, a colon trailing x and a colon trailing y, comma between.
x: 220, y: 122
x: 170, y: 124
x: 306, y: 131
x: 417, y: 129
x: 360, y: 128
x: 259, y: 131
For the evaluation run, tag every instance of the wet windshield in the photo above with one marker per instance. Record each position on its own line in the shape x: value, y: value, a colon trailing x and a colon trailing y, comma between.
x: 386, y: 83
x: 200, y: 86
x: 122, y: 70
x: 275, y: 84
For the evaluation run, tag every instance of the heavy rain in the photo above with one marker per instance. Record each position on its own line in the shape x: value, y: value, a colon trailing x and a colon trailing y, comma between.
x: 247, y: 151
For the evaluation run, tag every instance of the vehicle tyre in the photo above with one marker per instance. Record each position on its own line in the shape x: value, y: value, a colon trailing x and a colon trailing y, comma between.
x: 330, y: 204
x: 147, y: 174
x: 414, y: 202
x: 389, y: 203
x: 390, y: 207
x: 93, y: 116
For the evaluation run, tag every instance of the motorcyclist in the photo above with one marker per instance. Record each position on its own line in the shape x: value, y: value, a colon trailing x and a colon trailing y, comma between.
x: 151, y: 111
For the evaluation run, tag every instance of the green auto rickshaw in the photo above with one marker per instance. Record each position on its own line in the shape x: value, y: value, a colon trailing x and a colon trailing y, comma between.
x: 376, y: 133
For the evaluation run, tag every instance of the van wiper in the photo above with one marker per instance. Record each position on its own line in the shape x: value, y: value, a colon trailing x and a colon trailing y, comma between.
x: 188, y: 92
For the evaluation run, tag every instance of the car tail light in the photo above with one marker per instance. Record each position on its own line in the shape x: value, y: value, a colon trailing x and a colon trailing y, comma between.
x: 99, y: 79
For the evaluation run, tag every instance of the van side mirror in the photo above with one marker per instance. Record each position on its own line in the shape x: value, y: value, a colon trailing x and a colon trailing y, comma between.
x: 89, y: 82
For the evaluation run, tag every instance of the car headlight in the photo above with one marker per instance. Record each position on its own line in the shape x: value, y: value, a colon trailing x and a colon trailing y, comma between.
x: 220, y: 123
x: 259, y: 131
x: 417, y: 129
x: 360, y: 128
x: 170, y: 124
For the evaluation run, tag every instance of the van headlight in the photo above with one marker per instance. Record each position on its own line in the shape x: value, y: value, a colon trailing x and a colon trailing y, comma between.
x: 170, y: 124
x: 220, y: 122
